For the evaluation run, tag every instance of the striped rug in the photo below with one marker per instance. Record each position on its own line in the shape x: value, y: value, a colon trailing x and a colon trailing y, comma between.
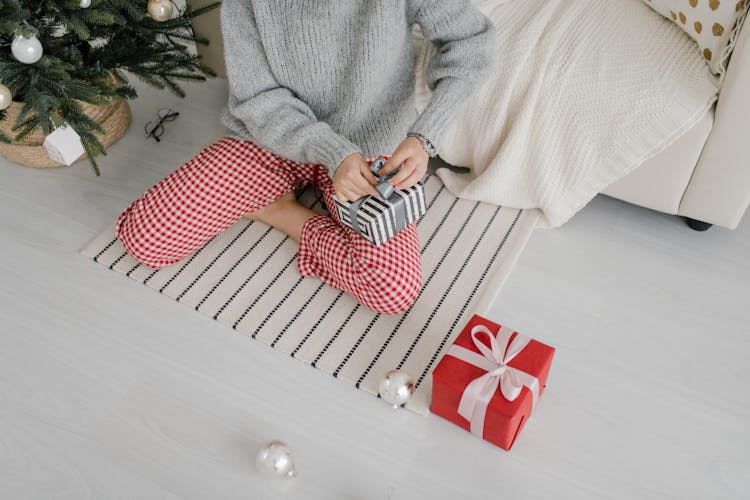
x: 246, y: 277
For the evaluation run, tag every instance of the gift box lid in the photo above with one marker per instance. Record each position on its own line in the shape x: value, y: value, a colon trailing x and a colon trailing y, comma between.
x: 378, y: 219
x: 455, y: 374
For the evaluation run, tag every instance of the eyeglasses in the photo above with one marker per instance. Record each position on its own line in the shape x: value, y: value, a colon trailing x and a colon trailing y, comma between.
x: 165, y: 115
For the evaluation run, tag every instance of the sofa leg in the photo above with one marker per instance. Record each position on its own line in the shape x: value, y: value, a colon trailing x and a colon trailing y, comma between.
x: 697, y: 225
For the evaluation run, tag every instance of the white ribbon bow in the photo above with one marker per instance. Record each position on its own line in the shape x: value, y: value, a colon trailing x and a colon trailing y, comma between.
x: 479, y: 392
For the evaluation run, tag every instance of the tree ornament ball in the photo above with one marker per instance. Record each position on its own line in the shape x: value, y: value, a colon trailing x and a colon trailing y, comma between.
x: 275, y: 459
x: 85, y: 4
x: 26, y: 50
x: 5, y: 97
x: 160, y: 10
x: 396, y: 387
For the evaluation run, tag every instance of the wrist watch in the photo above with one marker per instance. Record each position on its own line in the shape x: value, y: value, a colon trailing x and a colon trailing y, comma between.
x: 426, y: 144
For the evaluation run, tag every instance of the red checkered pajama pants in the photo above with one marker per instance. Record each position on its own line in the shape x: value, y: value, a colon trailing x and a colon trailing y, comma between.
x: 233, y: 177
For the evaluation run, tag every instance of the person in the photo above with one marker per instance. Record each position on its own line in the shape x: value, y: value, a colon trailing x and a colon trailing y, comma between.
x: 317, y: 90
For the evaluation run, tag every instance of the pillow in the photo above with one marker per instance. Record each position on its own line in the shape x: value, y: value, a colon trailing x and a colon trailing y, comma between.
x: 713, y: 24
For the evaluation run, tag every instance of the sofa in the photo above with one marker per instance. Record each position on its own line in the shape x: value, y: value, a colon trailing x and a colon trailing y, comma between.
x: 704, y: 176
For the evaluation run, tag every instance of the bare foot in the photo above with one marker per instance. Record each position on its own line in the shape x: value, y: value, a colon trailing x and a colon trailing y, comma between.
x: 286, y: 214
x: 262, y: 214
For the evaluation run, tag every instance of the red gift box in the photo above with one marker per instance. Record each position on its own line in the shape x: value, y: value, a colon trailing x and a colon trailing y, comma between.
x: 489, y: 379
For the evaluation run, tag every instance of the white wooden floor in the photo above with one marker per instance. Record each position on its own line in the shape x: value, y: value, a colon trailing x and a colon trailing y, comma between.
x: 111, y: 390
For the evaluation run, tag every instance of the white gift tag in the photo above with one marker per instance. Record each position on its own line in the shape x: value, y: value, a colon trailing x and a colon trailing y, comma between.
x: 64, y: 144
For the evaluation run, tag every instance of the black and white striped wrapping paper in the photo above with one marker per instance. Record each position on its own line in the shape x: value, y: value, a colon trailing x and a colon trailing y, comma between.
x: 378, y: 220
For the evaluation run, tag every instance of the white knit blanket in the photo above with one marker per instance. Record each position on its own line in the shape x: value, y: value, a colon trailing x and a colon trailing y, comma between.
x: 584, y: 92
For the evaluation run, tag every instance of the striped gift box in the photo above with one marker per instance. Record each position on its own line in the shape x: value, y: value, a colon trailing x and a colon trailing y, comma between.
x: 378, y: 220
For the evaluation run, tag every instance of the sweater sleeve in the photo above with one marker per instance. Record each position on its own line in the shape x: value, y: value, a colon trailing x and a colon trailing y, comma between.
x: 466, y: 45
x: 275, y: 118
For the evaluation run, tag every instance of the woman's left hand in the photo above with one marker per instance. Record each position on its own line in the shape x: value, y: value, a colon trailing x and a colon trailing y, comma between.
x: 414, y: 158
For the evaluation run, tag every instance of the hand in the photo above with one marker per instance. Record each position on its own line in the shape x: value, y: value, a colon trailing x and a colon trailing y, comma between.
x: 353, y: 179
x: 411, y: 153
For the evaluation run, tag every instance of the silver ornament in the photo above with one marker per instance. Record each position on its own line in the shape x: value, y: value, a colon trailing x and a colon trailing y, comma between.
x: 5, y: 97
x: 85, y: 4
x: 26, y: 50
x: 160, y: 10
x: 274, y: 459
x: 396, y: 388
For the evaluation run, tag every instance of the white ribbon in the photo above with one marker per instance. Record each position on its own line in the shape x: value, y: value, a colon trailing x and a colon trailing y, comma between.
x: 479, y: 392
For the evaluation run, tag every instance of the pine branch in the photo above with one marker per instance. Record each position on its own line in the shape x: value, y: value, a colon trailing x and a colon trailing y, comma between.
x: 192, y: 13
x: 27, y: 126
x: 93, y: 148
x: 4, y: 138
x: 85, y: 52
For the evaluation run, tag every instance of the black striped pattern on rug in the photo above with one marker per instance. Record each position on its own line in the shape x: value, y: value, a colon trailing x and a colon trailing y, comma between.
x: 246, y: 277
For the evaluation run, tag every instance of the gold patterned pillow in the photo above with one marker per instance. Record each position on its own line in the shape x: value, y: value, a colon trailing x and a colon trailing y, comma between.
x: 711, y: 23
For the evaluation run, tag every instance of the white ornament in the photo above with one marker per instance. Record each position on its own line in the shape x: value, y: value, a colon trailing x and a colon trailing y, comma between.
x: 6, y: 97
x: 85, y: 4
x: 160, y: 10
x: 64, y: 144
x: 26, y: 50
x: 396, y: 388
x: 274, y: 459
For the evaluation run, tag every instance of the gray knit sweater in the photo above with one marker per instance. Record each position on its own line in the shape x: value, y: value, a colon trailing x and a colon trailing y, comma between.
x: 317, y: 80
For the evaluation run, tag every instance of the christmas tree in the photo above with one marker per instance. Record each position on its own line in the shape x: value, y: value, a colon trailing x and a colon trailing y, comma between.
x: 54, y: 53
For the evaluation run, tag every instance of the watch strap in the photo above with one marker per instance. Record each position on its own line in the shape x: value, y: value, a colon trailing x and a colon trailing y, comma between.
x: 426, y: 144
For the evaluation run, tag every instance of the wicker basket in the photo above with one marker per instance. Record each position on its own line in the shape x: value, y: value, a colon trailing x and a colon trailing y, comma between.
x: 114, y: 117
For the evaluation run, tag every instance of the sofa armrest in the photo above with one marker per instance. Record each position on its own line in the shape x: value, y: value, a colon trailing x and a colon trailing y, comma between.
x: 719, y: 189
